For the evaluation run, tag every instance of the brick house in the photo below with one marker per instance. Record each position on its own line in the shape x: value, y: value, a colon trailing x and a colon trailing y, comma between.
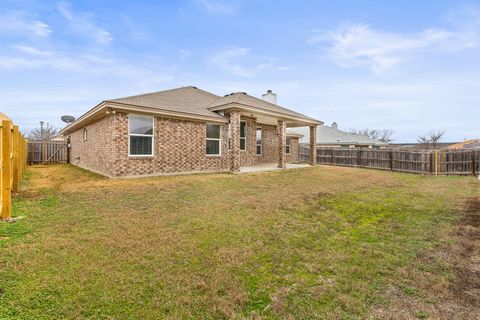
x: 185, y: 130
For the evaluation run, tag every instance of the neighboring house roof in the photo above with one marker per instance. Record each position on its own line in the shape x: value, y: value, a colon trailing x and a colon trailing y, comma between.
x: 330, y: 136
x: 188, y: 102
x: 468, y: 144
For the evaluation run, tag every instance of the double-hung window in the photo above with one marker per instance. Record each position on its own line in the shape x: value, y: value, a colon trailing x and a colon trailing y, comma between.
x: 259, y: 141
x: 213, y: 140
x: 140, y: 135
x: 287, y: 145
x: 243, y: 135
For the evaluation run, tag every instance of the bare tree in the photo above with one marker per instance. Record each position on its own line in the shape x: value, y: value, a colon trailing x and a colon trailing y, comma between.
x: 435, y: 137
x: 424, y: 141
x: 48, y: 132
x: 384, y: 135
x: 431, y: 139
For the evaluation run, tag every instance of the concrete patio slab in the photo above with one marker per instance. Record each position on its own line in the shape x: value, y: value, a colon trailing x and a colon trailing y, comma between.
x: 271, y: 167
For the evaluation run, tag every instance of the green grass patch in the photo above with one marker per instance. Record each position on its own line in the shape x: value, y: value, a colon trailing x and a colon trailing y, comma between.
x: 316, y: 243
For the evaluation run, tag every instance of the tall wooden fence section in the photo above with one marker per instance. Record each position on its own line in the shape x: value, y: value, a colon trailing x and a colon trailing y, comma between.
x: 47, y: 152
x: 439, y: 162
x: 13, y: 159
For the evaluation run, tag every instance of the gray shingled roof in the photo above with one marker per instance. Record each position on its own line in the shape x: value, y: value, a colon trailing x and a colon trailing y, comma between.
x: 188, y: 102
x: 185, y: 100
x: 245, y: 99
x: 329, y: 135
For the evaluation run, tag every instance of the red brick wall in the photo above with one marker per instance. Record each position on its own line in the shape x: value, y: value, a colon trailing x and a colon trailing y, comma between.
x: 269, y: 144
x: 179, y: 146
x: 248, y: 157
x: 97, y: 152
x: 293, y: 157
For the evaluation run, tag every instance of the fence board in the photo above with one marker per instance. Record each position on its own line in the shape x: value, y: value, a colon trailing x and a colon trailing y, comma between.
x: 47, y: 152
x: 445, y: 162
x: 12, y: 162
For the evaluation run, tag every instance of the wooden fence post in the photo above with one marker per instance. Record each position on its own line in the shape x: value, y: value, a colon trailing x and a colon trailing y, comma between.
x: 44, y: 152
x: 15, y: 159
x: 436, y: 162
x: 68, y: 150
x: 391, y: 160
x: 6, y: 187
x: 474, y: 165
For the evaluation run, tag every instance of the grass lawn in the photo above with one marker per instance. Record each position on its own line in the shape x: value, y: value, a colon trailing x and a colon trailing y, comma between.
x: 314, y: 243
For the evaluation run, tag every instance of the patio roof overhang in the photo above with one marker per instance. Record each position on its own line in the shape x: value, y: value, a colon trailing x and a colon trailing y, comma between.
x: 268, y: 117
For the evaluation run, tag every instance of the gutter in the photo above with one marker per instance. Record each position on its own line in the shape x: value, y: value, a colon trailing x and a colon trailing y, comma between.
x: 266, y: 112
x: 117, y: 106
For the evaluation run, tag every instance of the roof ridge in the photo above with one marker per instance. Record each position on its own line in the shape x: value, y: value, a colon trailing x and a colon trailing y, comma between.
x: 276, y: 105
x: 161, y: 91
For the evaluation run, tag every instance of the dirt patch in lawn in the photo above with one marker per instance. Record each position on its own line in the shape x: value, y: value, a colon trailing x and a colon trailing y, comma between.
x: 455, y: 296
x: 466, y: 288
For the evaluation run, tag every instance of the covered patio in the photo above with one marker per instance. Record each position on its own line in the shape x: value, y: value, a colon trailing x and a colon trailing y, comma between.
x: 257, y: 132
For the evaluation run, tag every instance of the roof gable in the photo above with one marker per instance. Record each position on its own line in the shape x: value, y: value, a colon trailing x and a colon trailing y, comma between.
x: 248, y: 100
x: 185, y: 100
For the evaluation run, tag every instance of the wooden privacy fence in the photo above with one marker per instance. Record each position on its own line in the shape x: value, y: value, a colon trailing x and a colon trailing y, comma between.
x: 47, y: 152
x: 438, y: 162
x: 13, y: 159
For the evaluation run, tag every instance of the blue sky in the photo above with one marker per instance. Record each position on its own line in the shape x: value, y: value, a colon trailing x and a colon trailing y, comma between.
x: 410, y: 66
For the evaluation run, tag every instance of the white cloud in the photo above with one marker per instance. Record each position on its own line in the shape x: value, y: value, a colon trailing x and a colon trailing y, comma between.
x: 21, y: 56
x: 82, y: 23
x: 184, y: 54
x: 217, y: 7
x: 360, y: 45
x: 31, y: 50
x: 225, y: 61
x: 19, y: 22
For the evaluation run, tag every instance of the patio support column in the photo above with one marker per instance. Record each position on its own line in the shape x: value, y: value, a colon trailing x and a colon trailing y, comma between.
x: 282, y: 142
x: 313, y: 145
x: 235, y: 141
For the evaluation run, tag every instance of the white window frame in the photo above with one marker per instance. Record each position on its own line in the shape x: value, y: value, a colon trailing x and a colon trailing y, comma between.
x: 261, y: 141
x: 288, y: 146
x: 85, y: 134
x: 219, y: 139
x: 244, y: 138
x: 141, y: 135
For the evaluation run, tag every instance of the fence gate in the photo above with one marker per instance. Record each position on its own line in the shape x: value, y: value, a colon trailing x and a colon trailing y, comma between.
x: 47, y: 152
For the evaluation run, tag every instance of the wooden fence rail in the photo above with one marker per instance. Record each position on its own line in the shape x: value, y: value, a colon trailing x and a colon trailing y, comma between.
x: 439, y: 162
x: 13, y: 160
x: 47, y: 152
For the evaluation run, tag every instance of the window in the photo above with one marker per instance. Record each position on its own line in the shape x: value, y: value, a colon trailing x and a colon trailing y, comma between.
x: 140, y: 135
x: 243, y: 135
x: 259, y: 141
x: 287, y: 145
x: 213, y: 140
x: 85, y: 134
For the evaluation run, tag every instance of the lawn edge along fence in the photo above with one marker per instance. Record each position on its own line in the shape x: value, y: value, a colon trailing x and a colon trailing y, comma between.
x: 435, y: 162
x: 13, y: 160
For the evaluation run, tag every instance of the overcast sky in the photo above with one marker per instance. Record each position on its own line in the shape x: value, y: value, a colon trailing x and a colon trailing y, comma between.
x: 410, y: 66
